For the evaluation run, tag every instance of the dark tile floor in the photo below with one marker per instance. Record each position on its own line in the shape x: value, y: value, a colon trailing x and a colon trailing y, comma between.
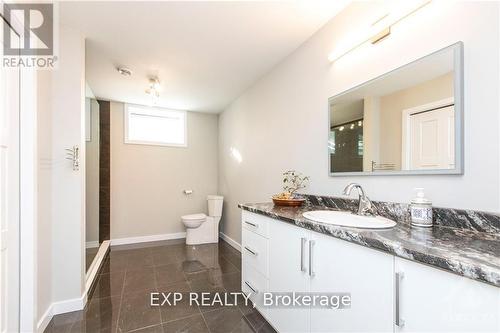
x: 120, y: 299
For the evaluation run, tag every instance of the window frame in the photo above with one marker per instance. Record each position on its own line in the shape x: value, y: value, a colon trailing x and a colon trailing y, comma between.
x: 153, y: 110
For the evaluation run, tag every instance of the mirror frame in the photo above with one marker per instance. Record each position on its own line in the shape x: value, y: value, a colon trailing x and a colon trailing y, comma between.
x: 458, y: 88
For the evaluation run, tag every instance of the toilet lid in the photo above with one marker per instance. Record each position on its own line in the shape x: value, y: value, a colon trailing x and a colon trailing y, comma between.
x: 194, y: 217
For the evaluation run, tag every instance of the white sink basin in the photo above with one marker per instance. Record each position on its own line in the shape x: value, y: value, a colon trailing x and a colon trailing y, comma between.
x: 346, y: 219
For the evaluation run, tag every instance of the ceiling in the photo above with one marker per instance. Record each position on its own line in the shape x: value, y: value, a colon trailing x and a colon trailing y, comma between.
x: 205, y: 54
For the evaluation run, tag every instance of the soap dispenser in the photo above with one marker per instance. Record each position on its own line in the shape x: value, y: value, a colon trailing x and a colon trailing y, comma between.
x: 421, y: 210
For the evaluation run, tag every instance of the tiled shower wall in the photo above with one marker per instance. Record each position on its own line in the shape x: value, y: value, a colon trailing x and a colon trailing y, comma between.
x: 104, y: 171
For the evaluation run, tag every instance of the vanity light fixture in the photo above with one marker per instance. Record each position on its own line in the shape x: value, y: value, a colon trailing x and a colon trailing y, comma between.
x: 381, y: 27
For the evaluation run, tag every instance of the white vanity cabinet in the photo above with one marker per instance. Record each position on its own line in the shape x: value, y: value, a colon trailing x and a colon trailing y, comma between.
x: 339, y: 266
x: 288, y: 272
x: 431, y: 300
x: 301, y: 260
x: 388, y: 294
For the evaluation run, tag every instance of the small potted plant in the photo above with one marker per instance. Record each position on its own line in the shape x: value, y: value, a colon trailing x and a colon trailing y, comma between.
x: 292, y: 182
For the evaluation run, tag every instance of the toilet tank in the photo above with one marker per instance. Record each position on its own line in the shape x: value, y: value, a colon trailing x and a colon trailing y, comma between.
x: 215, y: 205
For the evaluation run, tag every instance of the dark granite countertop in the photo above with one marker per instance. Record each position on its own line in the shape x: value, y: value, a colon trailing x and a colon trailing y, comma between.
x: 469, y: 253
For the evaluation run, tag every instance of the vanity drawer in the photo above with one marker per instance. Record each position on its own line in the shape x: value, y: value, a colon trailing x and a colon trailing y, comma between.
x: 256, y: 223
x: 255, y: 249
x: 255, y: 283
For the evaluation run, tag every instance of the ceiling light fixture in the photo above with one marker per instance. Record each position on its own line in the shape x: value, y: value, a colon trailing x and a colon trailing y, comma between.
x: 154, y: 90
x: 381, y: 28
x: 124, y: 71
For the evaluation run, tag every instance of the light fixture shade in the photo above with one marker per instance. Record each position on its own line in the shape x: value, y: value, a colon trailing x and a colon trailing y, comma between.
x: 124, y: 71
x: 379, y: 29
x: 154, y: 90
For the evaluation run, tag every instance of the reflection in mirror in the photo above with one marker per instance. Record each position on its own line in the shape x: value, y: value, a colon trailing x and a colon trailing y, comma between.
x: 404, y: 121
x: 91, y: 180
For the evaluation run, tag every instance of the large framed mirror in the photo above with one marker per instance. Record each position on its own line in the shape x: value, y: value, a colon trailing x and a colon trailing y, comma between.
x: 407, y: 121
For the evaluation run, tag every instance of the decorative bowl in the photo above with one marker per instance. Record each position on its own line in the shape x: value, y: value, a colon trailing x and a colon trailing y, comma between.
x: 292, y: 202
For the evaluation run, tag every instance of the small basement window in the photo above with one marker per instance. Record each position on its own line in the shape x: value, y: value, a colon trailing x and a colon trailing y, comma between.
x: 155, y: 126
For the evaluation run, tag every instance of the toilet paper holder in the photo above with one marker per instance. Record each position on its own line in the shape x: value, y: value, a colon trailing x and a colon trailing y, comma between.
x: 188, y: 192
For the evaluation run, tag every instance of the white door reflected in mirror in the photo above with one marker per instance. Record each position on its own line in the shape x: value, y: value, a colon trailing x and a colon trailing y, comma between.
x: 429, y: 139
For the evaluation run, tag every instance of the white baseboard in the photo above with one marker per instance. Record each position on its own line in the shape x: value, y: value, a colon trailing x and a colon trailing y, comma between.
x: 60, y: 307
x: 230, y: 241
x: 69, y: 305
x: 92, y: 244
x: 151, y: 238
x: 45, y: 320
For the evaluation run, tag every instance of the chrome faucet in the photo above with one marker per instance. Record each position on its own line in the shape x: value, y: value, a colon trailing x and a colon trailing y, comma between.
x: 365, y: 205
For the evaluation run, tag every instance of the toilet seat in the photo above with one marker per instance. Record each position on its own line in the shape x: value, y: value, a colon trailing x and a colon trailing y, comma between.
x: 200, y: 216
x: 193, y: 220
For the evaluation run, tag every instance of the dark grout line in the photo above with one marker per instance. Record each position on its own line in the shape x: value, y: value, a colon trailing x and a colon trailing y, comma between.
x: 117, y: 328
x: 180, y: 318
x: 205, y: 319
x: 141, y: 328
x: 199, y: 310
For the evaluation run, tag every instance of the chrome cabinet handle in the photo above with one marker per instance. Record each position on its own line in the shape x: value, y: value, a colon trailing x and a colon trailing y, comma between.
x: 251, y: 251
x: 251, y: 288
x: 397, y: 301
x: 302, y: 261
x: 252, y: 224
x: 311, y: 256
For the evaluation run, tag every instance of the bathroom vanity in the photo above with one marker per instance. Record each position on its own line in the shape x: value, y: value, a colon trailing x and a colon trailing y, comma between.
x: 400, y: 279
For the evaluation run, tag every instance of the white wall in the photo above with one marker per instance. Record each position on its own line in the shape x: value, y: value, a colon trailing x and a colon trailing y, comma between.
x: 281, y: 122
x: 68, y: 186
x: 147, y: 182
x: 60, y: 272
x: 44, y: 192
x: 61, y: 215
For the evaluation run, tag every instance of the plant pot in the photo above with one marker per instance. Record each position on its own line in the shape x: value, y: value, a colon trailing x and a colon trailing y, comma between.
x: 296, y: 202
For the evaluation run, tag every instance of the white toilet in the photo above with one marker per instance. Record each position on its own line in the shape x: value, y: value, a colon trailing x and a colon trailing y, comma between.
x: 202, y: 229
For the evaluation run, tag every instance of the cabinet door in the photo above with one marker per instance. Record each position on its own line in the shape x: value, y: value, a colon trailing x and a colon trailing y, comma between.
x: 288, y: 273
x: 254, y: 251
x: 255, y: 285
x: 367, y: 274
x: 431, y: 300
